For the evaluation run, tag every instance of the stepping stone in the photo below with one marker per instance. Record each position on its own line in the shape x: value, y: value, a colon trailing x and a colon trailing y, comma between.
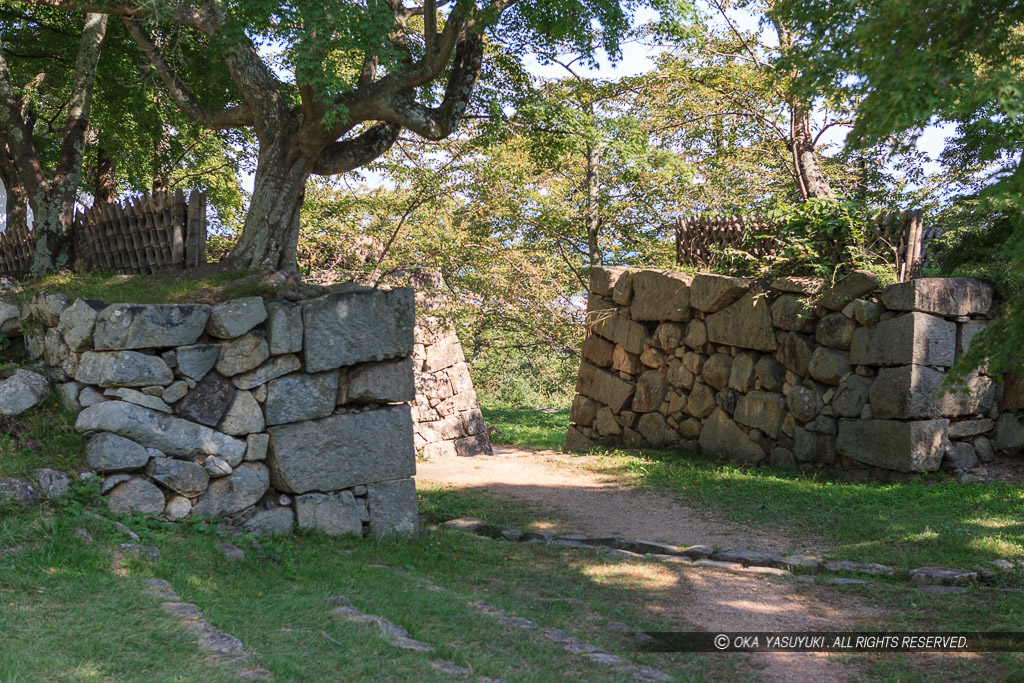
x: 517, y: 622
x: 451, y: 668
x: 942, y: 576
x: 410, y: 644
x: 840, y: 581
x: 486, y: 607
x: 645, y: 673
x: 860, y: 568
x: 185, y: 610
x: 715, y: 564
x: 802, y: 562
x: 161, y: 589
x: 255, y: 674
x: 221, y: 643
x: 581, y: 648
x: 339, y: 600
x: 936, y: 588
x: 560, y: 637
x: 604, y: 658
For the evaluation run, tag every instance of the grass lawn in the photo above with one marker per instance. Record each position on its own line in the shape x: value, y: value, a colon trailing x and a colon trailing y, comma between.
x: 68, y: 615
x: 938, y: 521
x: 528, y: 427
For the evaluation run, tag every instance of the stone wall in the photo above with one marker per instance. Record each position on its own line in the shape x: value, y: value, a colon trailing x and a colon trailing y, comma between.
x: 446, y: 414
x: 790, y: 374
x: 271, y: 414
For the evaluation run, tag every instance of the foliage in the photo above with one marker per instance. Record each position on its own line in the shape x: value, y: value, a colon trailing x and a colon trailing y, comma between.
x: 819, y: 237
x: 916, y: 63
x: 527, y: 426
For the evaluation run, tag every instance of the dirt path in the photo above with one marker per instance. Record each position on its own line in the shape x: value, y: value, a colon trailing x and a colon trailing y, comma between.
x: 599, y: 504
x: 711, y: 600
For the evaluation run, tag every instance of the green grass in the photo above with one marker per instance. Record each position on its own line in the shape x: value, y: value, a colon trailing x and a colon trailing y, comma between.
x: 908, y: 525
x: 68, y: 616
x: 141, y: 289
x: 51, y: 442
x: 527, y: 427
x: 439, y: 503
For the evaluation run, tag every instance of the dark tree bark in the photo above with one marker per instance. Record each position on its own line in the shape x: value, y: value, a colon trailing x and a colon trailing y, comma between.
x: 106, y: 177
x: 593, y: 207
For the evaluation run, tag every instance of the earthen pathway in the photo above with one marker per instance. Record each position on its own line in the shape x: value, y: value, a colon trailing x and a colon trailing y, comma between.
x: 696, y: 598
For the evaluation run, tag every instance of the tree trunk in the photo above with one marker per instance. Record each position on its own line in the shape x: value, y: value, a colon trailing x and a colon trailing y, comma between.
x: 51, y: 220
x: 106, y: 177
x: 270, y: 236
x: 811, y: 180
x: 593, y: 208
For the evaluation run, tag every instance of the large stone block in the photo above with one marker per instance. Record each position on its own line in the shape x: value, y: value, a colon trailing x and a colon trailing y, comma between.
x: 122, y: 369
x: 233, y: 494
x: 207, y: 402
x: 711, y: 293
x: 940, y: 295
x: 386, y: 382
x: 661, y: 295
x: 617, y: 327
x: 829, y: 366
x: 342, y: 451
x: 332, y: 513
x: 909, y: 338
x: 851, y: 396
x: 794, y: 352
x: 301, y: 397
x: 762, y: 410
x: 443, y: 355
x: 22, y: 391
x: 111, y: 453
x: 136, y: 495
x: 598, y: 351
x: 603, y: 278
x: 230, y: 319
x: 244, y: 417
x: 853, y: 286
x: 242, y: 354
x: 916, y: 391
x: 187, y: 478
x: 77, y: 323
x: 604, y: 387
x: 45, y: 308
x: 576, y: 442
x: 722, y: 438
x: 284, y: 327
x: 583, y: 411
x: 746, y: 324
x: 172, y: 435
x: 392, y: 508
x: 358, y: 326
x: 277, y: 366
x: 1009, y: 434
x: 138, y: 326
x: 196, y: 360
x: 901, y: 446
x: 792, y: 312
x: 835, y: 330
x: 650, y: 392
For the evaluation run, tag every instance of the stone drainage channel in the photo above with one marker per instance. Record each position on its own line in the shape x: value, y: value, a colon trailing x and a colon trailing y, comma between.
x: 931, y: 579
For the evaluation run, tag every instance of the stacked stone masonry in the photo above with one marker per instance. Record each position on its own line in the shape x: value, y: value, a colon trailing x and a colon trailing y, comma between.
x: 791, y: 373
x: 446, y: 413
x: 270, y: 414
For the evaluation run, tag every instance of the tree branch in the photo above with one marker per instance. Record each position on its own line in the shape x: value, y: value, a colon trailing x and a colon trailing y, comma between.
x: 229, y: 117
x: 345, y: 155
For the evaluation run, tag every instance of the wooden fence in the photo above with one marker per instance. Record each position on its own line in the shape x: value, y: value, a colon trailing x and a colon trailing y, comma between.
x: 145, y: 235
x: 701, y: 239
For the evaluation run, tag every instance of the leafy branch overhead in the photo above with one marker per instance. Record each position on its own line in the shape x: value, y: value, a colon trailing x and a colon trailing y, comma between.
x: 327, y: 87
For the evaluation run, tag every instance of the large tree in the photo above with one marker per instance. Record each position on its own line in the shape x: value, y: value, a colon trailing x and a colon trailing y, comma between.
x: 327, y: 86
x: 46, y: 93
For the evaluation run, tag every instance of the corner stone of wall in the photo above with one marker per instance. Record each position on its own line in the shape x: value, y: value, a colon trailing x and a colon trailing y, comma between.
x: 269, y: 414
x: 790, y: 373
